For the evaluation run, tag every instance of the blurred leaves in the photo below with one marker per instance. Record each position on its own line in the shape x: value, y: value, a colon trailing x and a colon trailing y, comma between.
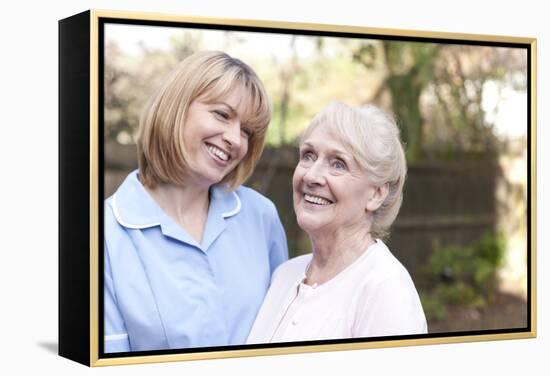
x: 129, y: 81
x: 463, y: 275
x: 436, y: 91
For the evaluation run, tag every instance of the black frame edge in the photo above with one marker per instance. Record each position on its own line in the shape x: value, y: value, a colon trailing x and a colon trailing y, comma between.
x: 74, y: 188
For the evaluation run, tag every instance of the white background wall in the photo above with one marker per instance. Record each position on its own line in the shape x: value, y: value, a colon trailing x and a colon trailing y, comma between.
x: 28, y: 199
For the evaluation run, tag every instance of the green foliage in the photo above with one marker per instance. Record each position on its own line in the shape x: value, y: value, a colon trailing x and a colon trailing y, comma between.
x: 433, y: 308
x: 409, y: 70
x: 130, y: 80
x: 435, y: 90
x: 463, y: 275
x: 461, y: 293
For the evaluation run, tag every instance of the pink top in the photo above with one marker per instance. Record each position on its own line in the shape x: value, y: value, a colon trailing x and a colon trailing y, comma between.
x: 374, y: 296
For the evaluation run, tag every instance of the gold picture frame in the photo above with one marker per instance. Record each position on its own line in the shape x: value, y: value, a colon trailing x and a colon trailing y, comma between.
x: 82, y: 168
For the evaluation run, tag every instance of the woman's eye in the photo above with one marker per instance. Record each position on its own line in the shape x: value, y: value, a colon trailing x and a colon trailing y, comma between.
x: 339, y: 165
x: 221, y: 114
x: 307, y: 156
x: 246, y: 132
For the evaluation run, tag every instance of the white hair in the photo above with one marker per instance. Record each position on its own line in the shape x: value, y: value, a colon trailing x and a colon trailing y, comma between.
x: 372, y: 136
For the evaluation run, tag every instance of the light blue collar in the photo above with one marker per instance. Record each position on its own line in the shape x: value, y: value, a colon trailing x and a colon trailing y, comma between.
x: 134, y: 208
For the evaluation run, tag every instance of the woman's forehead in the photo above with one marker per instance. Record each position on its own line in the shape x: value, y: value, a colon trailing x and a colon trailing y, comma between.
x: 237, y: 97
x: 325, y: 131
x: 328, y: 139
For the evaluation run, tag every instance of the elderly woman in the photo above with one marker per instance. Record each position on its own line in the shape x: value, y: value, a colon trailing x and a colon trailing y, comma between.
x: 188, y: 251
x: 347, y: 192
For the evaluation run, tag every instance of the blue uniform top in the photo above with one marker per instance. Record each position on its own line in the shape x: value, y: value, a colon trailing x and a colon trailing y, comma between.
x: 163, y: 290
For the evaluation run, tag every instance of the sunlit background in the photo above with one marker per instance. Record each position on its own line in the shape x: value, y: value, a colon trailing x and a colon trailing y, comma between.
x: 462, y: 110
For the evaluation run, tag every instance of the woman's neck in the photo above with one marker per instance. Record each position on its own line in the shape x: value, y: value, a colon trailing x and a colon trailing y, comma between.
x: 187, y: 205
x: 335, y: 251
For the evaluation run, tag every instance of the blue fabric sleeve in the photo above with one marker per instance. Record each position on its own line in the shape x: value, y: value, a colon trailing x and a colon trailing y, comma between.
x: 116, y: 336
x: 278, y: 249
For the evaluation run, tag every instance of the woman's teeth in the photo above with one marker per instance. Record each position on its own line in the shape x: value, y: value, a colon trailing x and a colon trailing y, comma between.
x: 316, y: 200
x: 218, y: 153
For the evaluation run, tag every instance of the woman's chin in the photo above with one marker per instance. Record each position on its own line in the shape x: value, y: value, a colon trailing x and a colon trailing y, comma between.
x: 206, y: 177
x: 309, y: 224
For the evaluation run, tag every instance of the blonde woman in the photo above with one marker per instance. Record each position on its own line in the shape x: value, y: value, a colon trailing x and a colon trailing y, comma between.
x: 347, y: 192
x: 189, y: 252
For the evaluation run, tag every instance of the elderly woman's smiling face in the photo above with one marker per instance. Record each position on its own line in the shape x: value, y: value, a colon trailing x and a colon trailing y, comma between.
x: 331, y: 190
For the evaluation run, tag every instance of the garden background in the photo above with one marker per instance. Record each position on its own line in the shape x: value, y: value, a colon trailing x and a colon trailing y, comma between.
x: 462, y: 111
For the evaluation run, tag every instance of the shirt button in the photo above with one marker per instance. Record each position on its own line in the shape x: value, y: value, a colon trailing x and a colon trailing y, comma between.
x: 294, y: 322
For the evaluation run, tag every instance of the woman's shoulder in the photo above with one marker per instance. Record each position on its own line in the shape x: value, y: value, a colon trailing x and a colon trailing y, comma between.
x: 253, y: 200
x: 295, y: 267
x: 129, y: 207
x: 251, y: 195
x: 384, y: 266
x: 109, y: 211
x: 128, y: 187
x: 114, y: 231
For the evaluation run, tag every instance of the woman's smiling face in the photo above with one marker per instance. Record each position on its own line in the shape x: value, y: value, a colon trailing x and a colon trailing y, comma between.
x: 215, y: 138
x: 330, y: 189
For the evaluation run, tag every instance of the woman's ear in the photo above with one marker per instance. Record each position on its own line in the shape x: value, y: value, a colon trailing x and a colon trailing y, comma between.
x: 379, y: 194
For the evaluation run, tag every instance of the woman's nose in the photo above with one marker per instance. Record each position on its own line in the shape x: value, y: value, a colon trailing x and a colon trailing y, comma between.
x: 315, y: 174
x: 232, y: 134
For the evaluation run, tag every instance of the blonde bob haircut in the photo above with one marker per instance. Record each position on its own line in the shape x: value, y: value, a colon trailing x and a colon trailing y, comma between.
x: 209, y: 76
x: 372, y: 136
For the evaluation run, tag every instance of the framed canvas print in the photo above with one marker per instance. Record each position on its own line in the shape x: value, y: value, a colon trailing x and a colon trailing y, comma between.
x: 233, y: 188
